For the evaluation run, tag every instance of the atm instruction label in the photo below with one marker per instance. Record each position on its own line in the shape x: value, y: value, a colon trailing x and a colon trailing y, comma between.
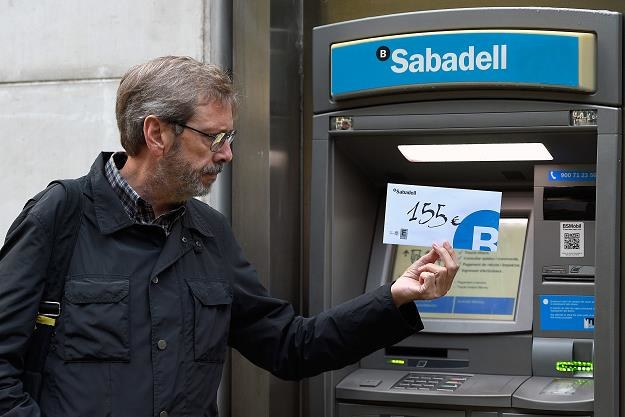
x: 567, y: 312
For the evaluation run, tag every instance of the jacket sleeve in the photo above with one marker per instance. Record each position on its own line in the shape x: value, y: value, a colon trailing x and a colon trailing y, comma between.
x: 269, y: 333
x: 23, y: 264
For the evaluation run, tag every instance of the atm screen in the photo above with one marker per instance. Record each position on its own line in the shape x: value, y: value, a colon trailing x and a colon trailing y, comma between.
x: 486, y: 286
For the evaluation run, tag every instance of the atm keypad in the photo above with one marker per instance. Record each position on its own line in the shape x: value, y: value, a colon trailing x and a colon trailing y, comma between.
x: 415, y: 381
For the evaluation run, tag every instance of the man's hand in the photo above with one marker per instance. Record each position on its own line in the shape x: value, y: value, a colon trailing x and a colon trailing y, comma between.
x: 424, y: 279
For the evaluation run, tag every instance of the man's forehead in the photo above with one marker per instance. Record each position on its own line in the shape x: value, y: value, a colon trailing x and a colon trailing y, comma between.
x: 214, y: 113
x: 212, y: 107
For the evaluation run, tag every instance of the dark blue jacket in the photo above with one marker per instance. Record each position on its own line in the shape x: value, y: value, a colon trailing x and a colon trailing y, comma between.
x: 146, y: 318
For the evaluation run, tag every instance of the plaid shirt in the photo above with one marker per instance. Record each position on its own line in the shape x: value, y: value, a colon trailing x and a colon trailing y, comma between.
x: 137, y: 208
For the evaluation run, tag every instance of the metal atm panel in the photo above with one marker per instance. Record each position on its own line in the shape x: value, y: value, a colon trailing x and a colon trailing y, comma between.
x: 491, y: 368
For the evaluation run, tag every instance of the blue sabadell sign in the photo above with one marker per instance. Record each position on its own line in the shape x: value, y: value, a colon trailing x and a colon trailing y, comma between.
x: 483, y: 58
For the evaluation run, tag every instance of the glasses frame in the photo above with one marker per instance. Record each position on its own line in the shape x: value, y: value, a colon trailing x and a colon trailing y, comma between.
x: 217, y: 140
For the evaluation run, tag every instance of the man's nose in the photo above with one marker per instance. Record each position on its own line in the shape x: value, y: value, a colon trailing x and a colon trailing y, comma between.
x: 224, y: 154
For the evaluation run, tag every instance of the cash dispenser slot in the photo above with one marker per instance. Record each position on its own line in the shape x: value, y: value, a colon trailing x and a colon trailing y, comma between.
x: 569, y: 203
x: 428, y: 357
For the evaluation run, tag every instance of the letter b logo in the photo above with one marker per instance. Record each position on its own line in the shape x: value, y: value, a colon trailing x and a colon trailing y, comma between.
x: 478, y: 231
x: 485, y: 237
x: 383, y: 53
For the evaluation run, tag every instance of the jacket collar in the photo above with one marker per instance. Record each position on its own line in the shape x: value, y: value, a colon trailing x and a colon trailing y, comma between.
x: 193, y: 220
x: 110, y: 212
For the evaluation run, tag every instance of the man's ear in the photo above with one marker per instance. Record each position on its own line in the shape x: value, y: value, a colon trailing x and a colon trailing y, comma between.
x: 154, y: 132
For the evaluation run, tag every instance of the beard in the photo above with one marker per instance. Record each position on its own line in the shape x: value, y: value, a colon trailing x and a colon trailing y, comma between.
x: 179, y: 179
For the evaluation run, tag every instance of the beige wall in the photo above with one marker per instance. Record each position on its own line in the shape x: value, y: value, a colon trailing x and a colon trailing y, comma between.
x: 60, y: 67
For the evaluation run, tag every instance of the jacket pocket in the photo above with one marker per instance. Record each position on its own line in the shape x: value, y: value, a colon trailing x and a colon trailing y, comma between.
x: 95, y: 318
x: 212, y: 301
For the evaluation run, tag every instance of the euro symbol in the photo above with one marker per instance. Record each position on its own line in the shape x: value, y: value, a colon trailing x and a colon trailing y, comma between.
x: 455, y: 221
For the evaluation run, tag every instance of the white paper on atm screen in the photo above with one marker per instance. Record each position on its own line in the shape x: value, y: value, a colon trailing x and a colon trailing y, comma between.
x: 418, y: 215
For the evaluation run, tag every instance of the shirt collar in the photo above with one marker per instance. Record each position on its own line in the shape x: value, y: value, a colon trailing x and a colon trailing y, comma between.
x: 136, y: 207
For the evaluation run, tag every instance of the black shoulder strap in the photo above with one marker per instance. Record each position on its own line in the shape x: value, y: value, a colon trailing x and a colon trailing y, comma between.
x: 66, y: 227
x: 67, y: 224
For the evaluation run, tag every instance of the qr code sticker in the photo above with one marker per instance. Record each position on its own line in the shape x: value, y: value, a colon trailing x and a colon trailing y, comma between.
x: 571, y: 240
x: 403, y: 234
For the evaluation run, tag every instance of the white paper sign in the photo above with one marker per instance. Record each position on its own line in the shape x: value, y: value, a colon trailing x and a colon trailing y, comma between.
x: 416, y: 215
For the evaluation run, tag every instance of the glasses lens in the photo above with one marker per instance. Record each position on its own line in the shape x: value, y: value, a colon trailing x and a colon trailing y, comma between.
x: 221, y: 138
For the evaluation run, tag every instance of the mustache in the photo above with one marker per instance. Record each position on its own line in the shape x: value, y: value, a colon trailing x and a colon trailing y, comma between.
x: 213, y: 169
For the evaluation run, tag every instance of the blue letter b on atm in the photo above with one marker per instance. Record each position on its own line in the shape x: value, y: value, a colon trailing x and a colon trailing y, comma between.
x: 478, y: 231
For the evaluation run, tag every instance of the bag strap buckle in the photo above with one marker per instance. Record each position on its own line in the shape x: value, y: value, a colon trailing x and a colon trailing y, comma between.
x: 50, y: 309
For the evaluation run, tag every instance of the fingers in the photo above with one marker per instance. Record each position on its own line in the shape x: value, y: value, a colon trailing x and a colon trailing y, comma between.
x: 431, y: 268
x: 444, y: 253
x: 428, y: 282
x: 433, y: 280
x: 431, y: 256
x: 451, y: 251
x: 411, y: 271
x: 442, y: 276
x: 427, y: 277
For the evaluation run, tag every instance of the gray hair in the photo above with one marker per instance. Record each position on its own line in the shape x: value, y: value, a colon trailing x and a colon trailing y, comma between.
x: 169, y: 88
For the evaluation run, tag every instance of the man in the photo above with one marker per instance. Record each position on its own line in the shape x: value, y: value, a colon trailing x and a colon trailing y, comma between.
x: 157, y: 285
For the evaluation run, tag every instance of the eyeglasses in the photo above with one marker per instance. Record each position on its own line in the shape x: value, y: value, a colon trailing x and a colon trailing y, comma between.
x: 217, y: 140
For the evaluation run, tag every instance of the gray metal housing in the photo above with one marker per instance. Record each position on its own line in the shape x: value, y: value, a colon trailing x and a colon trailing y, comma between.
x: 350, y: 169
x: 607, y: 26
x: 356, y: 177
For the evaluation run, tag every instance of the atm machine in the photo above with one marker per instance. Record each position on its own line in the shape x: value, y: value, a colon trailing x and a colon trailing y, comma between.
x: 532, y: 329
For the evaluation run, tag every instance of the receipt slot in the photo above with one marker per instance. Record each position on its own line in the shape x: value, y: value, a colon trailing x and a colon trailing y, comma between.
x: 529, y: 330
